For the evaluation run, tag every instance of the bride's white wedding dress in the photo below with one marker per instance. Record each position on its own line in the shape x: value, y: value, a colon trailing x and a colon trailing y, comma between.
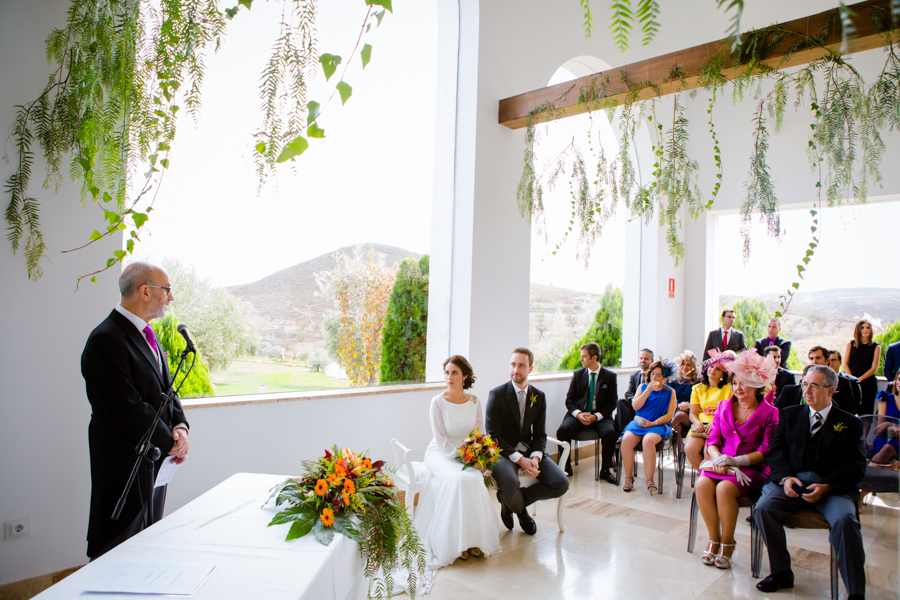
x: 455, y: 511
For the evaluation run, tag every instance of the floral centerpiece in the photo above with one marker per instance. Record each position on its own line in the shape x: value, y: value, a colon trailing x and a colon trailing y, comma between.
x: 479, y: 450
x: 347, y: 493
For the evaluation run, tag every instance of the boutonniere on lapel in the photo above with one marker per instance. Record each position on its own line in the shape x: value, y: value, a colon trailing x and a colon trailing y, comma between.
x: 533, y: 399
x: 840, y: 427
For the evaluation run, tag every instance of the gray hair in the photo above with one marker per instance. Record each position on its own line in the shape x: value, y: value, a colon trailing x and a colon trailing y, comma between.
x: 134, y: 276
x: 829, y: 377
x: 647, y: 350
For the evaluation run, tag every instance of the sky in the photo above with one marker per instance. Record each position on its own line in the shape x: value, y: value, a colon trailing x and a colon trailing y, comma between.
x: 369, y: 180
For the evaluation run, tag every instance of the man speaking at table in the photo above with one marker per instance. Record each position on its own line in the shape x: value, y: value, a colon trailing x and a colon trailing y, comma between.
x: 126, y: 374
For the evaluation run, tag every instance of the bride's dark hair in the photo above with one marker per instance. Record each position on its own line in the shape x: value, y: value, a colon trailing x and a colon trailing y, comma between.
x: 464, y: 367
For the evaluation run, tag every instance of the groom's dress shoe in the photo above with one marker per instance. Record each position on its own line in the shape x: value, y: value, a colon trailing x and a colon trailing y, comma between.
x: 506, y: 516
x: 776, y: 581
x: 527, y: 523
x: 569, y: 471
x: 607, y: 476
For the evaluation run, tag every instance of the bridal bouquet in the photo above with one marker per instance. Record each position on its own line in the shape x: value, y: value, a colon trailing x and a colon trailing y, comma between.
x: 342, y: 484
x: 479, y: 450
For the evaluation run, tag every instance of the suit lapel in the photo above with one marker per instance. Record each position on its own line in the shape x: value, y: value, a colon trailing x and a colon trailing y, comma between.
x: 513, y: 399
x: 827, y: 433
x: 799, y: 435
x: 138, y: 341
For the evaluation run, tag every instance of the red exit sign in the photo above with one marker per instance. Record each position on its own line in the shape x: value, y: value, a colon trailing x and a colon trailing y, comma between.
x: 671, y: 288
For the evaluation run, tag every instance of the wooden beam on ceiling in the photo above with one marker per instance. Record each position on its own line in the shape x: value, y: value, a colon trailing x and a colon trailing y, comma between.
x: 514, y: 111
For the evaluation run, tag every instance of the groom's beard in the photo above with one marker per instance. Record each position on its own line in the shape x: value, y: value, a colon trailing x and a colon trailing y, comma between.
x: 519, y: 380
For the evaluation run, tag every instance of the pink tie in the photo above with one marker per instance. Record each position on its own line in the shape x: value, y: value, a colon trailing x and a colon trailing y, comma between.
x: 724, y: 340
x: 151, y: 337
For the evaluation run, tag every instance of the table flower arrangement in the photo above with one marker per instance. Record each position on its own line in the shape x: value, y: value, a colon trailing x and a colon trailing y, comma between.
x: 340, y: 489
x: 479, y: 450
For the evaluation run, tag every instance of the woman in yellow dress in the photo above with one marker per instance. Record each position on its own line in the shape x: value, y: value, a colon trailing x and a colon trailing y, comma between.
x: 705, y: 398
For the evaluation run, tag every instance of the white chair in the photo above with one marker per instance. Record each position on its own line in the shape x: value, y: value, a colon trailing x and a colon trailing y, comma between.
x: 409, y: 474
x: 525, y: 481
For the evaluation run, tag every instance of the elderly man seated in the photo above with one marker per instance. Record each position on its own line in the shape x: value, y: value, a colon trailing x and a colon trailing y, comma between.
x: 817, y: 460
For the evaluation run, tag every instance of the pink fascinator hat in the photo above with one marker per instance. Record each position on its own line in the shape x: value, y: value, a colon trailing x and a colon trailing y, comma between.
x: 717, y: 357
x: 754, y: 370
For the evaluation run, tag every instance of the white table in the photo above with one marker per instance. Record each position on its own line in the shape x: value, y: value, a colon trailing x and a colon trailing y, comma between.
x: 226, y: 526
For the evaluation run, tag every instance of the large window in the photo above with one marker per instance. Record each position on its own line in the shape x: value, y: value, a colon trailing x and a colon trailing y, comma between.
x: 344, y: 216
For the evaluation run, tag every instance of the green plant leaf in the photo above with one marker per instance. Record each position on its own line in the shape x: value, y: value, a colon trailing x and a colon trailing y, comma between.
x: 323, y: 534
x: 261, y: 147
x: 246, y: 3
x: 129, y: 246
x: 120, y: 254
x: 344, y: 525
x: 140, y: 219
x: 344, y: 90
x: 301, y: 528
x: 165, y: 163
x: 94, y: 279
x: 231, y: 12
x: 330, y: 63
x: 96, y: 236
x: 314, y: 109
x: 292, y: 514
x: 297, y: 147
x: 380, y: 15
x: 366, y: 54
x: 385, y: 3
x: 314, y: 131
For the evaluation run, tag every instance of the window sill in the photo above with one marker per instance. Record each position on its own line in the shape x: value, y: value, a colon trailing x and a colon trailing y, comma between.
x: 215, y: 402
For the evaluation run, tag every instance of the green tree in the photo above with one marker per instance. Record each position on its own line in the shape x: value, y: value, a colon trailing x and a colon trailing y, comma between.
x: 888, y: 336
x: 198, y: 382
x: 751, y: 317
x: 793, y: 362
x: 605, y: 330
x: 405, y: 325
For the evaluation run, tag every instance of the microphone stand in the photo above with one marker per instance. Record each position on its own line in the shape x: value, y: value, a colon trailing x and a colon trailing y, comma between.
x: 147, y: 451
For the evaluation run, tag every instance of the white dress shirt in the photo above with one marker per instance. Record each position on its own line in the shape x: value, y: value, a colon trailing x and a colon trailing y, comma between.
x: 824, y: 412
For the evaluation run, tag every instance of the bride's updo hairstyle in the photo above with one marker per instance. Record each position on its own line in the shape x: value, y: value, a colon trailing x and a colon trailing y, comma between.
x: 464, y: 367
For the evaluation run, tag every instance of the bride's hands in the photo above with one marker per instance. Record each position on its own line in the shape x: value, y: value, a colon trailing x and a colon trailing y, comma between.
x: 484, y: 471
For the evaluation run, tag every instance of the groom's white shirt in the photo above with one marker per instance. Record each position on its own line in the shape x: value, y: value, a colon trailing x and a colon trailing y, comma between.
x: 521, y: 447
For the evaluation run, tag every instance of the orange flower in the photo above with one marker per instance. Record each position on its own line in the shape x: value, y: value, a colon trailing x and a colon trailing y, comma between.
x: 340, y: 470
x: 346, y: 498
x: 332, y: 479
x: 349, y: 486
x: 367, y: 464
x: 327, y: 517
x: 321, y: 487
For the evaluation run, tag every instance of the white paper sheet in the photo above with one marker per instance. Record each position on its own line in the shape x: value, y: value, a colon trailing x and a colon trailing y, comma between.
x: 166, y: 471
x: 170, y: 579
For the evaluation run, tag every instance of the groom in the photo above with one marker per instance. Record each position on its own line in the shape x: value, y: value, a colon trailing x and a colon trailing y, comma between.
x: 516, y: 419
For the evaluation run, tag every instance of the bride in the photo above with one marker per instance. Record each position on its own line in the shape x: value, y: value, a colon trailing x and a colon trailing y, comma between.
x: 455, y: 517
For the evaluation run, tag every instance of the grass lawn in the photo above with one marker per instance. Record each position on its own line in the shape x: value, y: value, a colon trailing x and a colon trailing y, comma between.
x: 246, y: 377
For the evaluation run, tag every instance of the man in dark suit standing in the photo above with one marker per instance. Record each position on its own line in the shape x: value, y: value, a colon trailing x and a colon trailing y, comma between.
x: 892, y: 363
x: 126, y: 373
x: 726, y: 337
x: 783, y: 377
x: 817, y: 460
x: 516, y: 418
x: 590, y: 403
x: 773, y: 329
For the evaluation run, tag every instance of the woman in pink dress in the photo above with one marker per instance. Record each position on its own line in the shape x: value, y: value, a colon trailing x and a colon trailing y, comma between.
x: 738, y: 441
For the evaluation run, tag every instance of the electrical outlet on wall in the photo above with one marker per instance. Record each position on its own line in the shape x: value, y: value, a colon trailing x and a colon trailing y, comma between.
x: 18, y: 528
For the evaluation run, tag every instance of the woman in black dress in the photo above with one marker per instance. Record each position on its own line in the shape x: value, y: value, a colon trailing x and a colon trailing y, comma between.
x: 861, y: 360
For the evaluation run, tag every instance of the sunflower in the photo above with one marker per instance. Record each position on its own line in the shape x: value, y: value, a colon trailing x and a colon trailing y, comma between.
x: 327, y: 517
x: 321, y: 487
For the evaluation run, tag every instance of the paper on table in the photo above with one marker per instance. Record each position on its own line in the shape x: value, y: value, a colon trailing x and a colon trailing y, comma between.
x: 152, y: 578
x: 166, y: 471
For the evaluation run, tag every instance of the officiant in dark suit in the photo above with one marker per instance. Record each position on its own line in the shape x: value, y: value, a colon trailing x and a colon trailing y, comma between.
x: 126, y: 373
x: 516, y: 418
x: 726, y: 337
x: 817, y: 446
x: 590, y: 403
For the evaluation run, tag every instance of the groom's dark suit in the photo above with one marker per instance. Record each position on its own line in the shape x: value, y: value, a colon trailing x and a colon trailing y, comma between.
x: 502, y: 422
x: 604, y: 404
x: 834, y: 455
x: 124, y: 386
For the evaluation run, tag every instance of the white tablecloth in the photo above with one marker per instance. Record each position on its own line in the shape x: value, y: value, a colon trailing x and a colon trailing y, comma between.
x: 226, y: 526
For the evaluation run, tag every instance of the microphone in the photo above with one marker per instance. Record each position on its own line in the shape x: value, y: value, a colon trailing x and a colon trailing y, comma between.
x: 183, y: 330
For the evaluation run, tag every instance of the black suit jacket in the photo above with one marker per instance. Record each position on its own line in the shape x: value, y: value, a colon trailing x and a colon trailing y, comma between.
x: 785, y: 345
x: 502, y: 419
x: 605, y: 392
x: 124, y: 386
x: 792, y: 395
x: 848, y: 387
x: 714, y: 340
x: 783, y: 379
x: 840, y: 455
x: 634, y: 383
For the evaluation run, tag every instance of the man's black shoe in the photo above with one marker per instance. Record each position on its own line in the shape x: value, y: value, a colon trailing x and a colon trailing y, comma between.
x: 506, y: 516
x: 776, y: 581
x: 527, y: 523
x: 608, y: 476
x: 569, y: 472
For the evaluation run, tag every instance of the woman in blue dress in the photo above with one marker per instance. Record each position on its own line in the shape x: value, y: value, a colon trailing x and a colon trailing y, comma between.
x: 886, y: 444
x: 654, y: 407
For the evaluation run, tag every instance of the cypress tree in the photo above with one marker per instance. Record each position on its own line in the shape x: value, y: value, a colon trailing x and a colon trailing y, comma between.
x: 403, y: 339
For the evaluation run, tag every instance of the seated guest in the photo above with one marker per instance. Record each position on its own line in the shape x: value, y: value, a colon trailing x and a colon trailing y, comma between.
x: 688, y: 376
x: 590, y: 403
x: 726, y: 337
x: 784, y: 377
x: 624, y: 410
x: 817, y: 460
x: 774, y: 339
x: 654, y: 408
x: 705, y: 399
x: 886, y: 444
x: 892, y: 362
x: 791, y: 395
x: 736, y: 446
x: 847, y: 395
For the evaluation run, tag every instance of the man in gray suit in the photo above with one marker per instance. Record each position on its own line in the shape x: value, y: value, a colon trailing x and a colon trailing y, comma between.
x: 726, y: 337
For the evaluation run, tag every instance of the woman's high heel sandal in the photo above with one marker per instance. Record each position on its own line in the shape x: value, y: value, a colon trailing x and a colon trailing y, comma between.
x: 628, y: 486
x: 476, y: 552
x: 464, y: 555
x: 651, y: 487
x: 709, y: 556
x: 722, y: 561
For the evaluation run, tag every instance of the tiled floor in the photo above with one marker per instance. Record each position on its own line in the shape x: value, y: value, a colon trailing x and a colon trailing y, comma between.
x: 619, y: 545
